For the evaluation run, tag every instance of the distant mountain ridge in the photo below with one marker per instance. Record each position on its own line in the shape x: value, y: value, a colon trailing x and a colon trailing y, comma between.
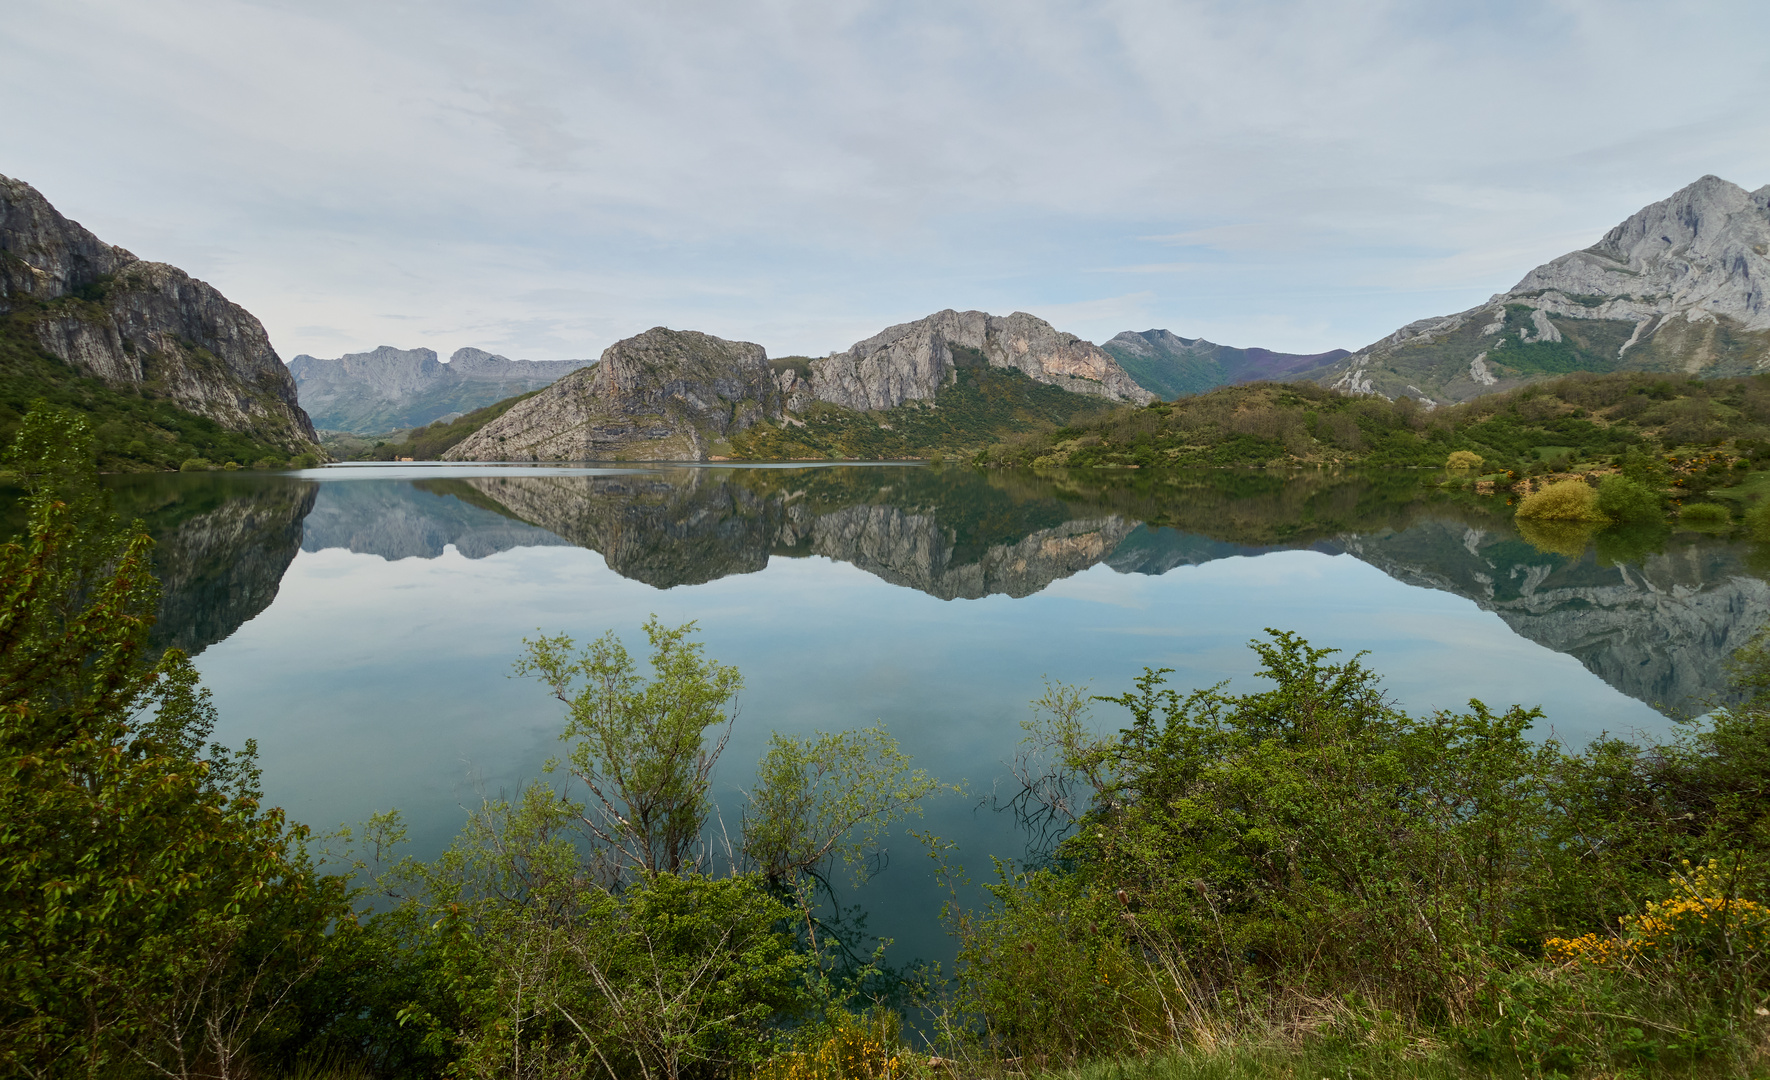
x: 681, y: 395
x: 387, y: 389
x: 1681, y: 286
x: 1173, y: 366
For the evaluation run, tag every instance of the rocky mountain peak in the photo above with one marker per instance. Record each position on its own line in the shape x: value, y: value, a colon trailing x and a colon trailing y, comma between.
x: 913, y: 361
x: 664, y: 395
x: 1682, y: 284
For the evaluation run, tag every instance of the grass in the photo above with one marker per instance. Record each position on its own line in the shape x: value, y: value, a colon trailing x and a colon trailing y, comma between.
x: 431, y: 442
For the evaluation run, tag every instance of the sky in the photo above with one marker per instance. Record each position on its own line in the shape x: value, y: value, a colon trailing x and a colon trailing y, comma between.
x: 542, y: 178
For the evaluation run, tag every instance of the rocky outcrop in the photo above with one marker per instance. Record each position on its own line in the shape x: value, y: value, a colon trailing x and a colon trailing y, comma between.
x: 388, y: 389
x: 1681, y: 286
x: 665, y: 395
x: 1172, y: 366
x: 671, y: 395
x: 913, y: 361
x: 142, y: 326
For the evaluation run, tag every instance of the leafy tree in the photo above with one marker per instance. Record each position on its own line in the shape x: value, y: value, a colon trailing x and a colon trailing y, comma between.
x: 824, y: 799
x: 152, y: 914
x: 1625, y: 500
x: 639, y: 745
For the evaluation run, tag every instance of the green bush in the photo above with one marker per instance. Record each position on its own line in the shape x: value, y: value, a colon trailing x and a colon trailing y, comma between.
x: 154, y: 917
x: 1757, y: 519
x: 1622, y: 499
x: 1705, y: 513
x: 1567, y: 500
x: 196, y: 464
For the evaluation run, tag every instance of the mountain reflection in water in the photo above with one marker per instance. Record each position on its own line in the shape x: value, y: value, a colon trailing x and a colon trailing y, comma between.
x: 1658, y: 629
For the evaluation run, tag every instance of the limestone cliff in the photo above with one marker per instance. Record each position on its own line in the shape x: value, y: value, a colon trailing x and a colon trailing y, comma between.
x: 1682, y: 286
x: 387, y: 388
x: 914, y: 361
x: 142, y: 326
x: 670, y: 395
x: 665, y: 395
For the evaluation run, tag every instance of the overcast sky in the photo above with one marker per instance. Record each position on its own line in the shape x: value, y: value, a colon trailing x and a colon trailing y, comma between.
x: 543, y: 177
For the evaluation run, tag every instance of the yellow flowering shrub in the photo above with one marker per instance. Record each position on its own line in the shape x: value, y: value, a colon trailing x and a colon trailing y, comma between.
x: 1700, y: 916
x: 846, y: 1048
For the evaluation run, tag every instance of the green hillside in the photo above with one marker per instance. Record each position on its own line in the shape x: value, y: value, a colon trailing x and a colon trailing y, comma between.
x: 429, y: 443
x: 1581, y: 418
x: 984, y: 405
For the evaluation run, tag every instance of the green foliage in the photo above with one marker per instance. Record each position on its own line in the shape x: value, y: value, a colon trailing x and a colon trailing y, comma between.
x: 1583, y: 418
x: 1568, y: 500
x: 132, y: 431
x: 152, y: 914
x: 639, y: 746
x: 1625, y: 500
x: 507, y: 957
x: 430, y: 442
x: 828, y: 798
x: 1236, y: 861
x: 1704, y: 513
x: 980, y: 406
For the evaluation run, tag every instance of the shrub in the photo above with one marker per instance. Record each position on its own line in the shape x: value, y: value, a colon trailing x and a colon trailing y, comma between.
x: 1464, y: 459
x: 196, y: 464
x: 304, y: 461
x: 1757, y: 519
x: 1622, y: 499
x: 1569, y: 500
x: 1705, y: 513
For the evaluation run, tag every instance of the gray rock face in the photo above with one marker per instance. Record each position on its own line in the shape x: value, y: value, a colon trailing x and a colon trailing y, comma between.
x: 142, y: 326
x: 912, y: 361
x: 387, y: 389
x: 665, y: 395
x: 1683, y: 285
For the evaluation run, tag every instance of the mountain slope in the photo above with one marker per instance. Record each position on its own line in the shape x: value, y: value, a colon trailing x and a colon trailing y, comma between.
x: 664, y: 395
x: 952, y: 380
x: 914, y: 361
x: 387, y: 389
x: 147, y: 332
x: 1173, y: 366
x: 1682, y: 286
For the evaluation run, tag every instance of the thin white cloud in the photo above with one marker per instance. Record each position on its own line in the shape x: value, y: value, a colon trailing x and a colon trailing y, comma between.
x: 553, y: 176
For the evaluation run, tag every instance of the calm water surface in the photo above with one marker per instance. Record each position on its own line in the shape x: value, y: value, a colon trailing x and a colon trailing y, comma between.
x: 360, y: 623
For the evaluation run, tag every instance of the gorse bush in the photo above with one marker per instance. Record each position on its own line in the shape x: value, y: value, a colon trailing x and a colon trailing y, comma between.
x: 1625, y: 500
x: 1463, y: 459
x: 1565, y: 500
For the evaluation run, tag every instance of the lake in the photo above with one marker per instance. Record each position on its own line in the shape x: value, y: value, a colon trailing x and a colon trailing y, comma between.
x: 360, y: 623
